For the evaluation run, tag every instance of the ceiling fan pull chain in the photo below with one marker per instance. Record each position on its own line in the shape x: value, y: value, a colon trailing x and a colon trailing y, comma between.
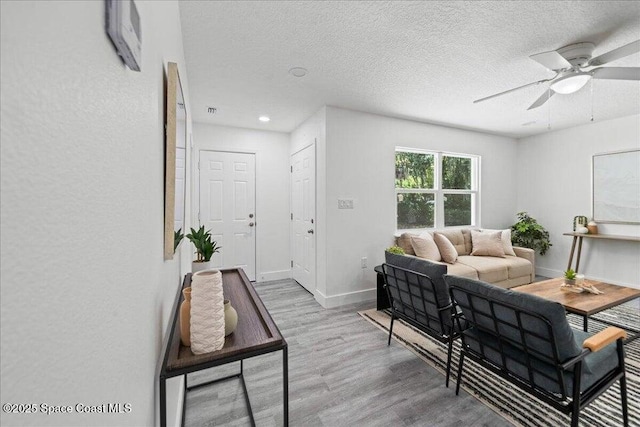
x: 549, y: 106
x: 591, y: 99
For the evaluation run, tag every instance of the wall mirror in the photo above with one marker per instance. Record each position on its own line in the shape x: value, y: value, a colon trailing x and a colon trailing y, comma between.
x: 616, y: 187
x: 175, y: 167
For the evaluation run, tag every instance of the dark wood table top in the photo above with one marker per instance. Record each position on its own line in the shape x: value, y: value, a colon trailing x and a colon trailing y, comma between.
x: 256, y: 330
x: 584, y: 303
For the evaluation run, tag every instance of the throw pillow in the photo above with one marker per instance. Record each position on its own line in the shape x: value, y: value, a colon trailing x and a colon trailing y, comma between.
x: 487, y: 244
x: 447, y: 250
x: 506, y: 241
x: 425, y: 247
x: 404, y: 241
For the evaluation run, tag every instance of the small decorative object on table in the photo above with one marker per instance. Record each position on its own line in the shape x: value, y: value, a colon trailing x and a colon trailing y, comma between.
x: 185, y: 318
x: 592, y: 227
x: 575, y: 283
x: 569, y: 277
x: 207, y: 312
x: 230, y: 318
x: 205, y: 248
x: 579, y: 221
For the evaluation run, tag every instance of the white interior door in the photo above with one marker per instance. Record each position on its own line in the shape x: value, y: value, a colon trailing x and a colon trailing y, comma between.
x: 303, y: 206
x: 227, y: 207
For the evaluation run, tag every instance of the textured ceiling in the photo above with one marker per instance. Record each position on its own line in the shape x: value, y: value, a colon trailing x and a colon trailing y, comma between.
x: 424, y: 61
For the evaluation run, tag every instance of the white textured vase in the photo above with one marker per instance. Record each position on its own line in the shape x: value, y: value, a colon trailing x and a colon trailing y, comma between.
x: 200, y: 266
x: 207, y: 312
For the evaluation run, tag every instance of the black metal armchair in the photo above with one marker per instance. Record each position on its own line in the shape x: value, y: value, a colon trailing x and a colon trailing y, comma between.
x: 527, y: 340
x: 421, y: 298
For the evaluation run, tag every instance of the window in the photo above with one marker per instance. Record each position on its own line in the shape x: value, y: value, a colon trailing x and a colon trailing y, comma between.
x: 435, y: 190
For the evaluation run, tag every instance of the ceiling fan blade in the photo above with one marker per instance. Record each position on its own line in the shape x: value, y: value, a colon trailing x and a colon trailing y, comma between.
x: 511, y: 90
x: 551, y: 60
x: 617, y: 73
x: 543, y: 98
x: 618, y: 53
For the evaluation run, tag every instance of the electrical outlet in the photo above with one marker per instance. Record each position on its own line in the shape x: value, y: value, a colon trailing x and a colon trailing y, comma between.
x: 363, y: 262
x: 345, y: 203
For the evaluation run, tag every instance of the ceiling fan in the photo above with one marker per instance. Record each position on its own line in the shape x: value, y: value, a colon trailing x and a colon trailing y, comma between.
x: 571, y: 65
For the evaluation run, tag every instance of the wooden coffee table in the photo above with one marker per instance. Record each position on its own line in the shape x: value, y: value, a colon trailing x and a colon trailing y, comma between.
x: 584, y: 304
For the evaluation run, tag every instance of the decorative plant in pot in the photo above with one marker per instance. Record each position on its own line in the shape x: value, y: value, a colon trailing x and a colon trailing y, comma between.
x: 205, y: 248
x: 570, y: 277
x: 527, y: 233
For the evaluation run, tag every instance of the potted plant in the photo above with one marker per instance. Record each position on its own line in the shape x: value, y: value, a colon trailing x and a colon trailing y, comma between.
x: 395, y: 250
x: 570, y: 277
x: 205, y: 248
x: 527, y: 233
x: 178, y: 235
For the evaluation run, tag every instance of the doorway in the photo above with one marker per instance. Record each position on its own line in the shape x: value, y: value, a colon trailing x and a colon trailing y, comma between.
x: 303, y: 211
x: 227, y: 207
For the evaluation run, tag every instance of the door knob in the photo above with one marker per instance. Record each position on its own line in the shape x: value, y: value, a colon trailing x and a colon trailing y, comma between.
x: 310, y: 231
x: 251, y: 224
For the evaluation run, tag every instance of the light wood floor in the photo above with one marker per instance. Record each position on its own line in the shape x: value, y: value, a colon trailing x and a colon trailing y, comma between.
x: 341, y: 373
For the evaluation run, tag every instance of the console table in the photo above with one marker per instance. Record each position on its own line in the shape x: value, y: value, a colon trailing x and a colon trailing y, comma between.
x: 578, y: 237
x: 256, y: 334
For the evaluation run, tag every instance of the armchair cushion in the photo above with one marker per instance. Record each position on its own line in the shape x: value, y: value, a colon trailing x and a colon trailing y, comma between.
x: 432, y: 270
x: 595, y: 365
x: 552, y: 312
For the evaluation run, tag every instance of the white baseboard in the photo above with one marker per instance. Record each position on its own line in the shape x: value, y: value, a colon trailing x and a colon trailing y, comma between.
x: 549, y: 272
x: 267, y: 276
x: 333, y: 301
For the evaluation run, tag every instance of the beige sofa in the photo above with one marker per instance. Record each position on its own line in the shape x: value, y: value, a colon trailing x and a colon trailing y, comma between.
x: 505, y: 272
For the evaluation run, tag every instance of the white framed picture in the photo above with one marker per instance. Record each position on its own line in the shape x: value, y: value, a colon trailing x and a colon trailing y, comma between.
x: 616, y: 187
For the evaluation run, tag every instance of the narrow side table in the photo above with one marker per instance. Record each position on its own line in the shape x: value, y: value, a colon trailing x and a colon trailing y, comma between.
x: 256, y: 334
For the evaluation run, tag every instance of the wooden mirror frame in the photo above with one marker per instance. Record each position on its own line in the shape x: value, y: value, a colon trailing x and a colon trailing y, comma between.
x: 173, y: 86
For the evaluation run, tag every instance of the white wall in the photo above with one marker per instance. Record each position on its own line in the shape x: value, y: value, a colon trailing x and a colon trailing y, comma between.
x: 313, y: 131
x: 86, y: 294
x: 360, y: 153
x: 554, y: 185
x: 272, y: 190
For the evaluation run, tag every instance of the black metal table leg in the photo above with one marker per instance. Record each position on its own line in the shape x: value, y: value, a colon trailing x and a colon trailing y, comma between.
x: 285, y: 384
x: 163, y: 401
x: 246, y: 395
x: 585, y: 323
x: 184, y: 400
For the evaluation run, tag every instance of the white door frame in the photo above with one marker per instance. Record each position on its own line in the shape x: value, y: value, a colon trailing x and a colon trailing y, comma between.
x: 196, y: 211
x: 315, y: 213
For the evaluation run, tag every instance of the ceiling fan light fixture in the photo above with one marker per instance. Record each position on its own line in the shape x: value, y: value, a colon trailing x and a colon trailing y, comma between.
x: 570, y: 82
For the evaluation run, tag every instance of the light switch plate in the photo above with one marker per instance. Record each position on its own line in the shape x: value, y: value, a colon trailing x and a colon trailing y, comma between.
x: 345, y: 203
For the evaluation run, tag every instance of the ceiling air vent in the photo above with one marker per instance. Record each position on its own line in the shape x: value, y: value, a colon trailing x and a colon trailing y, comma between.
x: 212, y: 110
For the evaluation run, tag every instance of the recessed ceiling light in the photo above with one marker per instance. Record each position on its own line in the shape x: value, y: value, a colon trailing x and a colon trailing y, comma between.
x: 298, y: 71
x: 264, y: 119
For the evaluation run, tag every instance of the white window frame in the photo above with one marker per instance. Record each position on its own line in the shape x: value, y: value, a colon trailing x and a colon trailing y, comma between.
x: 440, y: 192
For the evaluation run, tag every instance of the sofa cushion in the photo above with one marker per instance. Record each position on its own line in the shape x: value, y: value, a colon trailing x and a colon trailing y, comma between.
x: 518, y: 267
x: 457, y: 238
x: 459, y: 269
x: 487, y: 244
x: 506, y: 241
x: 490, y: 269
x: 447, y: 249
x: 404, y: 241
x: 425, y: 247
x: 432, y: 270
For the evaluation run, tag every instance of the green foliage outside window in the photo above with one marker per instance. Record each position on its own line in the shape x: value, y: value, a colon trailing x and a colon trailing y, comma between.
x: 416, y: 171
